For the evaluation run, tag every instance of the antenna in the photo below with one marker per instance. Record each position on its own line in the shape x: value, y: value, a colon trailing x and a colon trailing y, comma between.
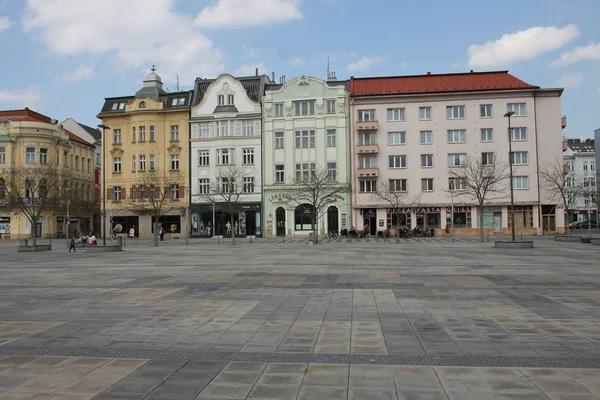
x: 177, y: 82
x: 327, y: 67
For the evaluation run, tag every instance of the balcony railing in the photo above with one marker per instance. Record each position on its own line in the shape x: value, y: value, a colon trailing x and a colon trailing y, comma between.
x: 367, y: 149
x: 367, y: 125
x: 368, y: 172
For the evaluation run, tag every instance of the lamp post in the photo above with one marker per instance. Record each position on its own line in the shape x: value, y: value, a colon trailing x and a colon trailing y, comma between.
x: 452, y: 210
x: 187, y: 230
x: 510, y: 167
x: 104, y: 142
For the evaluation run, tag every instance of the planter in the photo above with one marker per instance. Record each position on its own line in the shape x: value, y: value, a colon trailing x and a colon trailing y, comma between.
x: 567, y: 238
x: 586, y: 240
x: 30, y: 249
x: 595, y: 241
x: 504, y: 244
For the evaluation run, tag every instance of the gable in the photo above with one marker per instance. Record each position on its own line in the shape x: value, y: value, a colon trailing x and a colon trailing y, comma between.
x: 226, y: 86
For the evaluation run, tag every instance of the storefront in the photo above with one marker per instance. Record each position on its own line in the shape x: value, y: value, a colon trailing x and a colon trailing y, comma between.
x: 122, y: 224
x: 429, y: 217
x: 462, y: 217
x: 492, y: 218
x: 370, y: 219
x: 246, y: 220
x: 400, y: 217
x: 4, y: 226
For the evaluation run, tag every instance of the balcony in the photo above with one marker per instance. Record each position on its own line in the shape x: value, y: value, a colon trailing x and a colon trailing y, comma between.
x: 368, y: 172
x: 366, y: 126
x: 367, y: 149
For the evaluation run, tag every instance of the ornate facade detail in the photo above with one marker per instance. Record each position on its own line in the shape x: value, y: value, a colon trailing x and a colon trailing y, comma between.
x: 238, y: 128
x: 212, y: 129
x: 319, y: 109
x: 257, y: 128
x: 174, y: 149
x: 225, y: 89
x: 269, y: 110
x: 288, y: 111
x: 194, y: 131
x: 117, y: 152
x: 303, y: 80
x: 341, y: 105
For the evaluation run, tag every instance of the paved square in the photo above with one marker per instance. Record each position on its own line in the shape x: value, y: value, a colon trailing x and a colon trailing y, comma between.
x: 345, y: 319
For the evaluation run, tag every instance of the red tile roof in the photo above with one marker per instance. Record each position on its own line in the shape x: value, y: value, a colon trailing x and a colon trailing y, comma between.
x: 76, y: 138
x: 437, y: 83
x: 24, y: 115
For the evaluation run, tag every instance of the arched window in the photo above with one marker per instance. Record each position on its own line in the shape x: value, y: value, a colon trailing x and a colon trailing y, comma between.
x: 303, y: 217
x: 332, y: 219
x: 221, y: 100
x: 142, y: 104
x: 43, y: 189
x: 230, y: 99
x: 29, y: 188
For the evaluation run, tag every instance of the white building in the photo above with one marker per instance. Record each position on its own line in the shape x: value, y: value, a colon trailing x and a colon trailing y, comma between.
x: 225, y: 131
x: 579, y: 158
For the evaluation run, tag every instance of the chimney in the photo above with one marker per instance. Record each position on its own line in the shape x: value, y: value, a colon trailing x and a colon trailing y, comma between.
x: 471, y: 71
x: 273, y: 76
x: 256, y: 71
x: 428, y: 72
x: 331, y: 77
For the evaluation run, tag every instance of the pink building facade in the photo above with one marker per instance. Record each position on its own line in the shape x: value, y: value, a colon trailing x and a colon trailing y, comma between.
x: 408, y: 132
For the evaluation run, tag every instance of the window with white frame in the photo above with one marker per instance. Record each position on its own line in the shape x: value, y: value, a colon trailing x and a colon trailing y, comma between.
x: 151, y: 162
x: 332, y: 171
x: 304, y: 171
x: 519, y: 157
x: 116, y: 136
x: 117, y: 164
x: 225, y: 128
x: 487, y: 158
x: 585, y: 165
x: 278, y: 110
x: 82, y: 164
x: 230, y: 99
x: 485, y: 110
x: 366, y: 115
x: 455, y: 112
x: 3, y: 155
x: 279, y: 173
x: 367, y: 138
x: 44, y: 157
x: 117, y: 193
x: 152, y: 137
x: 331, y: 138
x: 457, y: 184
x: 457, y: 136
x: 142, y: 192
x: 397, y: 185
x: 203, y: 131
x: 589, y: 182
x: 203, y: 186
x: 203, y: 158
x: 397, y: 161
x: 174, y: 192
x: 395, y: 114
x: 424, y: 113
x: 248, y: 128
x: 426, y: 137
x: 248, y: 155
x: 395, y: 138
x: 488, y: 182
x: 520, y: 182
x: 89, y: 163
x: 133, y: 134
x: 76, y: 163
x: 367, y: 162
x: 592, y: 165
x: 133, y: 163
x: 426, y: 160
x: 174, y: 132
x: 304, y: 107
x: 305, y: 139
x: 142, y: 134
x: 226, y: 185
x: 457, y: 159
x: 279, y: 140
x: 142, y: 163
x: 221, y: 100
x: 249, y: 185
x: 330, y: 106
x: 519, y: 109
x: 487, y: 135
x: 226, y: 156
x: 427, y: 184
x: 174, y: 162
x: 518, y: 134
x: 368, y: 185
x: 30, y: 155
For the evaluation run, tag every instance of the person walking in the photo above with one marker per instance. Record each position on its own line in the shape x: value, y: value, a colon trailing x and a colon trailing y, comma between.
x: 162, y: 233
x: 72, y: 245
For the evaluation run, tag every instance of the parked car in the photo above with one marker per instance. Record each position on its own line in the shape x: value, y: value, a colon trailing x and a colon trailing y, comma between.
x: 576, y: 224
x: 586, y: 225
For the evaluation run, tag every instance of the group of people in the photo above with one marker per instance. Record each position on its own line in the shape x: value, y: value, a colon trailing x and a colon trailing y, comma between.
x: 89, y: 239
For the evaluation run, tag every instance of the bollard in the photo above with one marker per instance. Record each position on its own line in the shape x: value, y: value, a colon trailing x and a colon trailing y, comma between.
x: 218, y: 240
x: 521, y: 236
x: 250, y: 239
x: 283, y: 238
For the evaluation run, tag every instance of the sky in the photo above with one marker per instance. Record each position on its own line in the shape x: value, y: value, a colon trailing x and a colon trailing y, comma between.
x: 63, y: 57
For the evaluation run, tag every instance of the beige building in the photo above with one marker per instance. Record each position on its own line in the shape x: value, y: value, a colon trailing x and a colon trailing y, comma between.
x: 145, y: 135
x: 31, y: 142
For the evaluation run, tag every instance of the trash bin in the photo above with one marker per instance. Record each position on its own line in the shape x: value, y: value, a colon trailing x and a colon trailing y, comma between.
x: 311, y: 238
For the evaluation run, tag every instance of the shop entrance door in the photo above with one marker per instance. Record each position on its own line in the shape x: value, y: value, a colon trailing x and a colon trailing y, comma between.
x: 280, y: 217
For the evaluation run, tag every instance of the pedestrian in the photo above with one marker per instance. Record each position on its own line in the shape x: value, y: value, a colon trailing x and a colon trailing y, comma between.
x: 72, y: 245
x: 162, y: 233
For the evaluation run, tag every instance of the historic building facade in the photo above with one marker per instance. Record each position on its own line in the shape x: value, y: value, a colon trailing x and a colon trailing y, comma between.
x: 146, y: 137
x: 407, y: 132
x: 579, y: 158
x: 305, y: 130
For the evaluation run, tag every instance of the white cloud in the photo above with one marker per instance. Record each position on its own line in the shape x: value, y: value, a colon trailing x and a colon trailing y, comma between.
x: 364, y: 63
x: 106, y: 29
x: 250, y: 69
x: 571, y: 81
x: 519, y: 46
x: 297, y: 61
x: 235, y: 14
x: 23, y: 98
x: 590, y: 52
x: 5, y: 23
x: 249, y: 52
x: 82, y: 73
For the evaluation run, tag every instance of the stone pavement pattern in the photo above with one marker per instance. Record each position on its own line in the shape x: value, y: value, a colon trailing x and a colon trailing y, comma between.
x: 369, y: 320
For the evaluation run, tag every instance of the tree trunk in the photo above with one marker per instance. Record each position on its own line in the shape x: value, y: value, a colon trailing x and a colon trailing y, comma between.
x: 33, y: 230
x: 397, y: 226
x: 155, y: 231
x: 315, y: 228
x: 481, y: 229
x: 232, y: 228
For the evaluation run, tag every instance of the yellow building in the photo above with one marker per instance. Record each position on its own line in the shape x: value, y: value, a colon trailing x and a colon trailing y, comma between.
x: 30, y: 144
x: 145, y: 144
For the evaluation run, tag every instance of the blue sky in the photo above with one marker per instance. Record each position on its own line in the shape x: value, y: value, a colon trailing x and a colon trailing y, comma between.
x: 63, y: 57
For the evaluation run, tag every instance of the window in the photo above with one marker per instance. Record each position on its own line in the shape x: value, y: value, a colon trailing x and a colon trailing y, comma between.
x: 397, y: 161
x: 426, y: 137
x: 249, y: 185
x: 174, y: 132
x: 331, y: 138
x: 368, y: 185
x: 142, y: 163
x: 592, y: 165
x: 457, y: 184
x: 133, y: 163
x: 395, y: 114
x: 279, y: 173
x: 203, y: 186
x: 133, y: 134
x: 117, y: 164
x: 367, y: 138
x: 457, y: 159
x: 174, y: 192
x: 585, y: 165
x: 424, y: 113
x: 225, y: 128
x: 77, y: 163
x: 30, y: 155
x: 366, y: 115
x: 57, y: 156
x: 487, y: 158
x: 330, y: 106
x: 279, y: 140
x: 397, y: 185
x: 305, y: 139
x: 519, y: 157
x: 332, y: 171
x: 248, y: 155
x: 82, y: 164
x: 203, y: 131
x: 142, y: 192
x: 44, y: 156
x: 426, y: 160
x: 396, y: 138
x: 178, y: 101
x: 230, y: 99
x: 174, y: 161
x: 248, y: 128
x: 455, y: 112
x: 520, y: 182
x: 151, y: 162
x: 89, y: 162
x: 221, y: 100
x: 117, y: 193
x: 225, y: 156
x: 485, y: 110
x: 488, y: 182
x: 203, y: 158
x: 427, y: 184
x: 142, y: 104
x: 278, y: 110
x: 152, y: 133
x: 519, y: 109
x: 367, y: 162
x: 115, y: 106
x: 305, y: 171
x: 487, y: 135
x: 589, y: 182
x: 142, y: 134
x: 116, y: 136
x: 457, y: 136
x: 65, y: 159
x: 304, y: 107
x: 518, y: 134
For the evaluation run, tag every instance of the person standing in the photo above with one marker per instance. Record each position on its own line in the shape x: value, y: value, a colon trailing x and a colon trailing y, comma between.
x: 72, y: 245
x: 162, y: 233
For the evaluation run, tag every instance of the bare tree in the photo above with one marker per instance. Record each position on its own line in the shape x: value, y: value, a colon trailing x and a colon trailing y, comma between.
x: 395, y: 194
x: 80, y: 198
x: 561, y: 184
x: 318, y: 189
x: 152, y: 193
x: 31, y: 189
x: 476, y: 177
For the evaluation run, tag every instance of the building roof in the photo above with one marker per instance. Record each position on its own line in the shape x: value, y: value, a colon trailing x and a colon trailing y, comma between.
x: 254, y: 85
x: 24, y: 115
x: 276, y: 86
x: 73, y: 137
x: 95, y: 133
x: 437, y: 83
x: 112, y: 105
x: 587, y: 146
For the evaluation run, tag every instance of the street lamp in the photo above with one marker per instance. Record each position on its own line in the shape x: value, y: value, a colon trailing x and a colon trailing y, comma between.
x: 452, y: 210
x: 104, y: 142
x: 510, y: 167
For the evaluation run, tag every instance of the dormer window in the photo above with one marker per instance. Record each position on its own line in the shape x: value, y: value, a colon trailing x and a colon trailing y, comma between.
x: 230, y: 99
x: 142, y: 104
x: 221, y: 100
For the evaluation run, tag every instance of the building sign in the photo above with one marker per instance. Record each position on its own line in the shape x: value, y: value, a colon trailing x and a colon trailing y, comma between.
x: 428, y: 209
x: 369, y: 213
x: 398, y: 210
x: 5, y: 225
x: 458, y: 209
